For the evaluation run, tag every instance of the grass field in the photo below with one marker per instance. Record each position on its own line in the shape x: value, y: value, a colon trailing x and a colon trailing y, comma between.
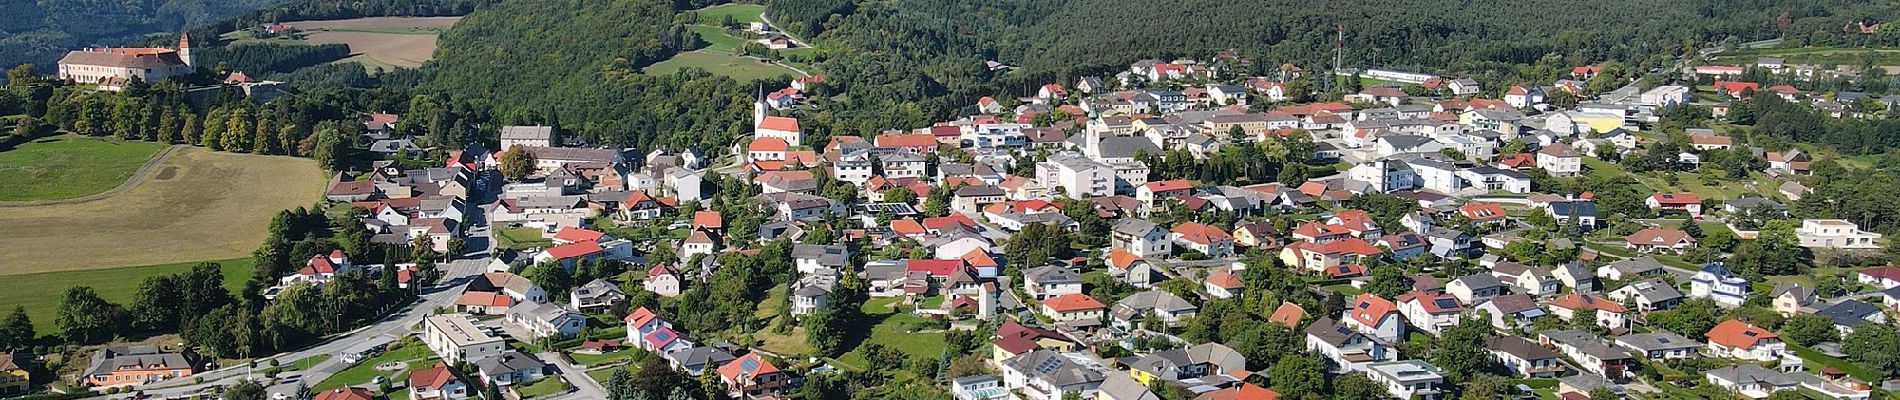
x: 415, y: 354
x: 717, y: 38
x: 739, y: 68
x: 1813, y: 55
x: 890, y: 332
x: 40, y: 293
x: 69, y: 166
x: 741, y: 13
x: 522, y: 238
x: 197, y: 205
x: 386, y: 42
x: 544, y: 387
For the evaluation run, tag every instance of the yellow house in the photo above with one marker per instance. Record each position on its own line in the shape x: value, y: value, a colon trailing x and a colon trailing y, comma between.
x: 14, y: 378
x: 1583, y: 121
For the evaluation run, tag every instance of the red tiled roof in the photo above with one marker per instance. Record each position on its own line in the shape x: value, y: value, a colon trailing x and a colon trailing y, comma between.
x: 1738, y: 334
x: 1676, y: 198
x: 1658, y: 237
x: 1288, y: 314
x: 708, y: 219
x: 779, y: 124
x: 1584, y: 301
x: 1200, y: 233
x: 749, y: 365
x: 431, y: 377
x: 906, y: 227
x: 1368, y: 309
x: 1480, y: 211
x: 1168, y: 185
x: 768, y: 144
x: 484, y: 299
x: 1886, y: 272
x: 908, y: 140
x: 934, y: 267
x: 572, y: 250
x: 353, y: 393
x: 1072, y: 303
x: 1737, y: 86
x: 1225, y: 279
x: 1122, y: 258
x: 944, y: 221
x: 573, y: 234
x: 318, y: 264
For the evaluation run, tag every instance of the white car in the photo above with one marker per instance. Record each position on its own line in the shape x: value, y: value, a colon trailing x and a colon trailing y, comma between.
x: 279, y: 396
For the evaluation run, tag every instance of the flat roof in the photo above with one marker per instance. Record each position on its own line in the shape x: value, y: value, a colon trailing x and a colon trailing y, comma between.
x: 460, y: 330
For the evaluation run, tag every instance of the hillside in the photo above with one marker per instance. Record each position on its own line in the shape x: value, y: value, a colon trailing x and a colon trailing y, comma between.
x: 580, y: 60
x: 39, y: 31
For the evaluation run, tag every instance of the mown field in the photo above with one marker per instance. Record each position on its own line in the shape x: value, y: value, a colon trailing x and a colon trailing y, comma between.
x: 718, y: 63
x: 40, y: 292
x: 196, y: 205
x: 387, y: 42
x: 69, y: 166
x: 721, y: 54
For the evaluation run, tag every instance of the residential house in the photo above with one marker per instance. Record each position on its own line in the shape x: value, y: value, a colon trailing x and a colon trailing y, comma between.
x: 1525, y: 279
x: 596, y: 296
x: 1047, y: 375
x: 1591, y: 353
x: 135, y: 365
x: 1408, y: 379
x: 1472, y: 289
x: 663, y: 280
x: 697, y: 360
x: 1223, y: 284
x: 751, y: 375
x: 1835, y: 234
x: 1603, y: 312
x: 1885, y: 277
x: 1850, y: 314
x: 1168, y: 308
x: 1736, y: 339
x: 1685, y: 202
x: 438, y: 382
x: 1652, y: 240
x: 544, y: 320
x: 1051, y: 281
x: 1511, y: 311
x: 1715, y: 281
x: 1347, y: 349
x: 1198, y: 361
x: 1524, y: 357
x: 1203, y: 238
x: 1660, y: 345
x: 1073, y: 307
x: 1789, y: 298
x: 1750, y: 380
x: 1376, y: 317
x: 1431, y: 313
x: 15, y: 377
x: 1630, y: 269
x: 1559, y: 159
x: 1142, y: 238
x: 1648, y: 295
x: 509, y: 368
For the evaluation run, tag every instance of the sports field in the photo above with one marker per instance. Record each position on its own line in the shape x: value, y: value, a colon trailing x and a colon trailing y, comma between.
x: 195, y: 205
x: 69, y: 166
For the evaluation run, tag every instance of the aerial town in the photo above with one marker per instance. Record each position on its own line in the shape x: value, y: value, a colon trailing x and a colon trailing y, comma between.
x: 1172, y: 229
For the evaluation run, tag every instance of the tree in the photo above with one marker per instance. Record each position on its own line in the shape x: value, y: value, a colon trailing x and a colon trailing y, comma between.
x: 244, y: 390
x: 17, y: 330
x: 330, y: 149
x: 1876, y: 346
x: 1808, y: 329
x: 238, y: 131
x: 1692, y: 317
x: 900, y: 195
x: 517, y: 162
x: 1461, y: 350
x: 22, y: 75
x: 1358, y: 387
x: 1388, y: 281
x: 1295, y: 377
x: 86, y: 318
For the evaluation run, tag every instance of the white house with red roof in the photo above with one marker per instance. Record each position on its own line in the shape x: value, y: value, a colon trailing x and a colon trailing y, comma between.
x: 437, y: 383
x: 319, y: 268
x: 1741, y: 340
x: 642, y: 321
x: 571, y: 254
x: 1224, y: 284
x: 1602, y: 311
x: 1376, y: 317
x: 1321, y: 257
x: 1431, y: 313
x: 1203, y: 238
x: 1050, y: 92
x: 1685, y: 202
x: 1886, y: 277
x: 662, y: 280
x: 569, y: 235
x: 1154, y: 193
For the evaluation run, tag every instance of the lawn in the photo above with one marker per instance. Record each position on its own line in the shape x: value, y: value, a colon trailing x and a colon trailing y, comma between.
x: 522, y: 238
x: 197, y: 205
x: 1815, y: 357
x: 717, y: 38
x: 40, y: 292
x: 739, y: 68
x: 1812, y: 55
x: 415, y: 353
x: 740, y: 13
x: 604, y: 358
x: 69, y: 166
x: 544, y: 387
x: 890, y: 331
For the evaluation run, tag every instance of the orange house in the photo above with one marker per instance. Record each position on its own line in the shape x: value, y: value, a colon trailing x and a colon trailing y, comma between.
x: 135, y: 365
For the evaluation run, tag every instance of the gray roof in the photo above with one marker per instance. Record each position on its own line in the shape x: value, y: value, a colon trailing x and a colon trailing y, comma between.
x: 1152, y: 300
x: 1514, y: 303
x: 1850, y: 313
x: 1330, y: 331
x: 1134, y: 226
x: 1656, y: 341
x: 1802, y: 294
x: 1479, y: 281
x: 1582, y: 208
x: 1654, y: 290
x: 1122, y: 387
x: 1054, y: 367
x: 1404, y: 141
x: 1519, y: 347
x: 826, y: 255
x: 699, y: 356
x: 984, y: 190
x: 108, y: 359
x: 1221, y: 358
x: 1637, y: 266
x: 509, y: 363
x: 1586, y: 343
x: 1127, y: 146
x: 1050, y: 274
x: 527, y: 132
x: 1751, y: 373
x: 122, y: 60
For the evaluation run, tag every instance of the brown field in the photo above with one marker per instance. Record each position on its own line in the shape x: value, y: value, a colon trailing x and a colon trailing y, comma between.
x: 198, y: 205
x: 401, y: 42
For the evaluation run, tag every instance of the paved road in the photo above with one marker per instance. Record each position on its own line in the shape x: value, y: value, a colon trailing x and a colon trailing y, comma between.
x: 584, y: 386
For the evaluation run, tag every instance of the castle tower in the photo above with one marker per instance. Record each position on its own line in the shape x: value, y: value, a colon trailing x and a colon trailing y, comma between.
x: 184, y: 49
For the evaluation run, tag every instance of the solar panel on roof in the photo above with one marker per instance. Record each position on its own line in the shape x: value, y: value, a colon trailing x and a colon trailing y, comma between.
x: 1364, y: 304
x: 1445, y: 303
x: 749, y: 364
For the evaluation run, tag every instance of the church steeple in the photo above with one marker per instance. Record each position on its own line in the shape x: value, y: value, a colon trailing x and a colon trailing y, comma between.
x: 184, y: 49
